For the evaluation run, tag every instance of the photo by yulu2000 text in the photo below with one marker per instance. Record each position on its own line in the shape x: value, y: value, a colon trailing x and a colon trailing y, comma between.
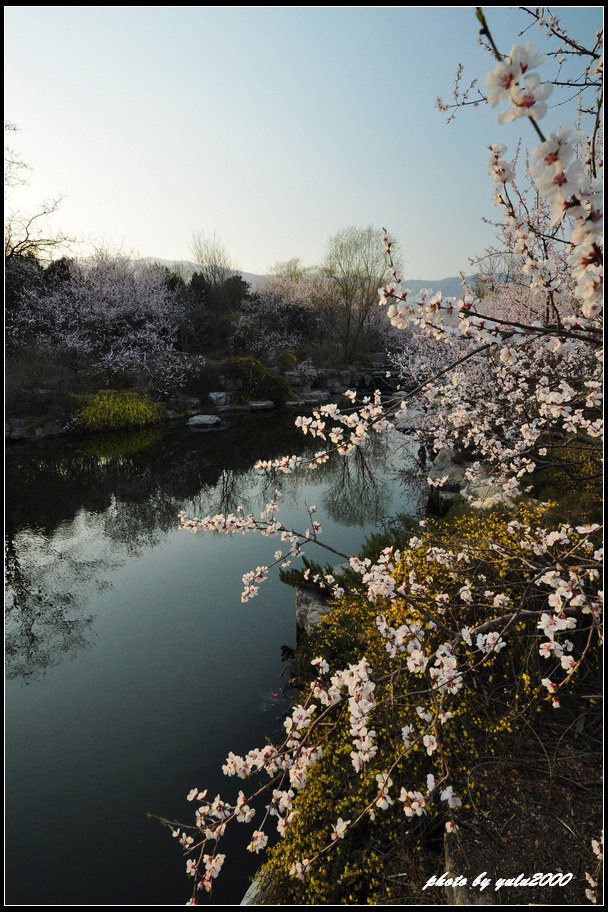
x: 482, y: 881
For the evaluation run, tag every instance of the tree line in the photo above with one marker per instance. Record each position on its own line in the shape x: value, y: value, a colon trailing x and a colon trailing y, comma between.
x: 130, y: 322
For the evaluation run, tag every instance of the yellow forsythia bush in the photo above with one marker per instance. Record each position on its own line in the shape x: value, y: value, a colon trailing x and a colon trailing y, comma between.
x: 116, y: 411
x: 458, y: 573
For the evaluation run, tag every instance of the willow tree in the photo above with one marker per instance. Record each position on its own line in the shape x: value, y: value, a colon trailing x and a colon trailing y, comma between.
x: 356, y: 266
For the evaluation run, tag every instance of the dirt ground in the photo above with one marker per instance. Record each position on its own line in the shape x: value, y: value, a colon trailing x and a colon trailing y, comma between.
x: 538, y: 817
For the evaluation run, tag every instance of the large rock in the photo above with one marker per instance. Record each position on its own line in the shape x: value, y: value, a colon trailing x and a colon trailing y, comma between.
x: 482, y: 493
x: 309, y: 399
x: 220, y: 400
x: 444, y: 464
x: 203, y: 421
x: 310, y: 609
x: 251, y: 897
x: 21, y: 432
x: 259, y: 893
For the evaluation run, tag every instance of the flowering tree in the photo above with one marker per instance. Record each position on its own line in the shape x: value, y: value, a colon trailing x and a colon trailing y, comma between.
x: 484, y: 404
x: 435, y: 622
x: 285, y: 316
x: 114, y: 313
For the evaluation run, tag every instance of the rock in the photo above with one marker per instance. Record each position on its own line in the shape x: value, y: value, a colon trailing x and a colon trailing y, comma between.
x: 444, y: 464
x: 258, y: 894
x: 309, y: 398
x: 483, y: 494
x: 261, y: 404
x: 220, y: 400
x: 16, y: 432
x: 310, y: 609
x: 21, y: 432
x: 410, y: 420
x: 318, y: 396
x: 250, y: 897
x: 201, y: 421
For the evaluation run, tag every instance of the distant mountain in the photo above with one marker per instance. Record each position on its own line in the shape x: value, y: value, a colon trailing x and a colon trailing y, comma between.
x: 187, y: 268
x: 451, y: 287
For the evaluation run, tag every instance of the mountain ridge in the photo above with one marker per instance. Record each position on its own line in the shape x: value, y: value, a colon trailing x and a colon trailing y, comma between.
x: 450, y: 286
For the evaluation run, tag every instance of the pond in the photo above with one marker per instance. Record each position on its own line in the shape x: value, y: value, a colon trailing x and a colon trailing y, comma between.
x: 132, y: 666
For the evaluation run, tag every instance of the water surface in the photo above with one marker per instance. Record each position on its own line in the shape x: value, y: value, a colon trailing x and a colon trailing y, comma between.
x: 132, y: 667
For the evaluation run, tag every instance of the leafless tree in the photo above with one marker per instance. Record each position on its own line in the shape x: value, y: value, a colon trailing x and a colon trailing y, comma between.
x: 14, y: 166
x: 30, y: 235
x: 26, y: 234
x: 215, y: 262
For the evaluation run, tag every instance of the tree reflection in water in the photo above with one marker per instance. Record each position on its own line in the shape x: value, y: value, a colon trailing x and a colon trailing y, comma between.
x: 361, y: 488
x: 47, y: 581
x: 77, y: 510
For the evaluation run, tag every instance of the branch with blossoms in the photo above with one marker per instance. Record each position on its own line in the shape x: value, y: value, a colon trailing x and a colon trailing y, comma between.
x: 547, y: 22
x: 288, y: 766
x: 550, y: 22
x: 561, y: 178
x: 593, y: 879
x: 428, y: 670
x: 447, y: 608
x: 267, y: 525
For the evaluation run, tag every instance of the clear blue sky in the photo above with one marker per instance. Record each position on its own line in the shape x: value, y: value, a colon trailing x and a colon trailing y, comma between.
x: 272, y: 127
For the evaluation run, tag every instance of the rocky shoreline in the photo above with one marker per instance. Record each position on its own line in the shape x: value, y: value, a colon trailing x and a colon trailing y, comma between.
x: 329, y: 387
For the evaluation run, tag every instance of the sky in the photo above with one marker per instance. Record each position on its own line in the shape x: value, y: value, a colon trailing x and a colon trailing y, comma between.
x: 270, y: 128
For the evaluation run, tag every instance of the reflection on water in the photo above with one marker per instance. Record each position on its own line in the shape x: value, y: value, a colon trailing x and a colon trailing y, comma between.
x: 47, y: 583
x: 76, y: 513
x: 167, y: 669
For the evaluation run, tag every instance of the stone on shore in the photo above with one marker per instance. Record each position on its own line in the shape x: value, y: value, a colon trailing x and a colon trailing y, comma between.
x: 202, y: 421
x: 220, y: 400
x: 310, y: 609
x: 261, y: 404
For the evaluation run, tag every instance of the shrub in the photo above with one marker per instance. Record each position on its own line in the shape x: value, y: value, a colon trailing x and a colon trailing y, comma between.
x: 494, y: 707
x: 286, y: 361
x: 257, y: 381
x: 204, y: 381
x: 116, y: 411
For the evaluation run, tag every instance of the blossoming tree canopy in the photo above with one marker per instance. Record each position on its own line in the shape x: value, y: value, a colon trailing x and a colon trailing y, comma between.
x: 514, y: 376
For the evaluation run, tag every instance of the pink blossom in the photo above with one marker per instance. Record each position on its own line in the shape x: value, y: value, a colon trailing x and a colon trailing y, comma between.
x: 339, y: 830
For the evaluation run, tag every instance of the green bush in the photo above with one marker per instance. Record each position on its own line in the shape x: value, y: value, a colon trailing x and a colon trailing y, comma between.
x: 257, y: 382
x: 286, y: 361
x: 116, y: 411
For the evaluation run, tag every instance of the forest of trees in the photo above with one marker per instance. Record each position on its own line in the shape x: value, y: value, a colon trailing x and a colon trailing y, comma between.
x: 116, y: 321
